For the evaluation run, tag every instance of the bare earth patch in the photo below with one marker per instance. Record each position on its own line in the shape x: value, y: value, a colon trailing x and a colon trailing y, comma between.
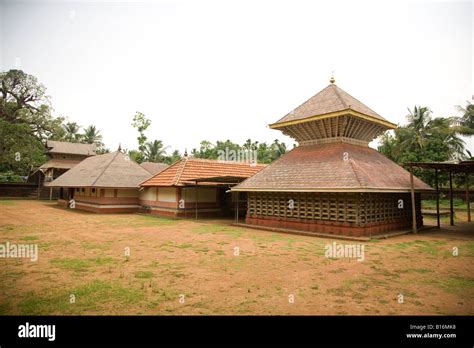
x: 209, y: 267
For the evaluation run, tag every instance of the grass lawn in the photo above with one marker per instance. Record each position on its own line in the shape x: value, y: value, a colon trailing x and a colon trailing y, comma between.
x: 444, y: 204
x: 202, y: 267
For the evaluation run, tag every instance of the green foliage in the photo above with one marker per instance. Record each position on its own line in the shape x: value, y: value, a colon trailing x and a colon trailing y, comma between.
x: 141, y: 123
x: 19, y: 151
x: 424, y: 139
x: 10, y: 176
x: 155, y: 151
x: 264, y: 153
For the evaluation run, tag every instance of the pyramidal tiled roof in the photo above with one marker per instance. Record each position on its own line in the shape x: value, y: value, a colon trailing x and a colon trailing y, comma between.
x: 183, y: 171
x: 330, y: 100
x: 109, y: 170
x: 332, y: 167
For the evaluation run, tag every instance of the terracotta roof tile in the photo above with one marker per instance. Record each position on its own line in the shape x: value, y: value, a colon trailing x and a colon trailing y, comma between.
x: 181, y: 172
x: 323, y: 168
x: 330, y: 99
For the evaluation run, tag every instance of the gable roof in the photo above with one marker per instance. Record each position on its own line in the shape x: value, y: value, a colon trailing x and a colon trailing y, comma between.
x: 183, y: 171
x: 317, y: 168
x: 153, y: 167
x: 109, y: 170
x: 70, y: 148
x: 331, y: 100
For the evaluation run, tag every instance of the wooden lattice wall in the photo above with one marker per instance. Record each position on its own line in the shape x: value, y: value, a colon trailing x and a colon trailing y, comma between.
x: 344, y: 207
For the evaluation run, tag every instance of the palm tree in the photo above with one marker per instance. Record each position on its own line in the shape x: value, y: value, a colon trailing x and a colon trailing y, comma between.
x: 466, y: 121
x: 279, y: 149
x: 72, y: 132
x: 92, y: 136
x: 418, y: 120
x: 155, y: 151
x: 444, y: 129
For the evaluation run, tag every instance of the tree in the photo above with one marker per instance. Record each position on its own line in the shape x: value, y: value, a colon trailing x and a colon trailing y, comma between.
x: 424, y: 139
x: 92, y: 136
x: 155, y: 151
x: 466, y: 121
x: 23, y: 100
x: 71, y: 132
x: 175, y: 156
x: 141, y: 123
x: 25, y: 122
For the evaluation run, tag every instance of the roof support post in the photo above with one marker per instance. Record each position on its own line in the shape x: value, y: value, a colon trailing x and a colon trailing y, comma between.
x: 468, y: 202
x: 451, y: 206
x: 437, y: 198
x: 196, y: 203
x: 413, y: 207
x: 237, y: 206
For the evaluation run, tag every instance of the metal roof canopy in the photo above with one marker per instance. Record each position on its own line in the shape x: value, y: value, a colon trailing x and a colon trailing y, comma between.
x: 454, y: 167
x: 451, y: 167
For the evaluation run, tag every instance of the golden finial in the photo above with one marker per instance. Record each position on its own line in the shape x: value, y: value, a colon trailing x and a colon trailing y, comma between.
x: 332, y: 80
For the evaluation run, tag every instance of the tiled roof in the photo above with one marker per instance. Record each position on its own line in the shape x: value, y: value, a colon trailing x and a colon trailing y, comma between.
x: 71, y: 148
x: 154, y: 168
x: 59, y: 164
x: 181, y: 172
x: 109, y: 170
x: 331, y: 99
x: 332, y: 167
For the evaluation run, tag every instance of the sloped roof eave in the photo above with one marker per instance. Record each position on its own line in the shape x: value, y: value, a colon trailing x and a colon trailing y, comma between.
x: 348, y: 111
x: 361, y: 190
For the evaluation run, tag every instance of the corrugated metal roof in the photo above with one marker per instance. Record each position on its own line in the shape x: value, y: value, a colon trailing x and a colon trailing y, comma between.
x: 181, y: 172
x: 332, y: 167
x: 109, y: 170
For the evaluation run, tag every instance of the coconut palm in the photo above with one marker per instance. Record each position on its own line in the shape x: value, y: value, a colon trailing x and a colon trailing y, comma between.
x: 155, y: 151
x: 71, y: 130
x: 466, y: 121
x: 92, y: 136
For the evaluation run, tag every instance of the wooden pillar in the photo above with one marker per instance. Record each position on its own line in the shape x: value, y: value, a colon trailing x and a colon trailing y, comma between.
x: 468, y: 203
x: 196, y: 203
x: 413, y: 207
x: 451, y: 204
x: 437, y: 198
x: 237, y: 206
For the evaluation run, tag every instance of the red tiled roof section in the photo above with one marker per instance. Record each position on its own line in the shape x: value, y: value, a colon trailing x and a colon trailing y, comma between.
x: 324, y: 168
x: 182, y: 172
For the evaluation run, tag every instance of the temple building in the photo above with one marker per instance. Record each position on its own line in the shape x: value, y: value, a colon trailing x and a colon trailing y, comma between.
x: 333, y: 182
x: 62, y: 157
x: 106, y: 183
x: 193, y: 187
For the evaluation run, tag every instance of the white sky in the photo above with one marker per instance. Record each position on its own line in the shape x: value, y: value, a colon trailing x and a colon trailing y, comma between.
x: 220, y: 70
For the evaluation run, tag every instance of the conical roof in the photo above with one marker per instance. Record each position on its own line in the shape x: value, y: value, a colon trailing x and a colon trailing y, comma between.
x: 113, y: 169
x: 334, y: 167
x: 331, y: 101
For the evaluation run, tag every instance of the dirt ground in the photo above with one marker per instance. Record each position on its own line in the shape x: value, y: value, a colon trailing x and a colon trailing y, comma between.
x: 192, y: 267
